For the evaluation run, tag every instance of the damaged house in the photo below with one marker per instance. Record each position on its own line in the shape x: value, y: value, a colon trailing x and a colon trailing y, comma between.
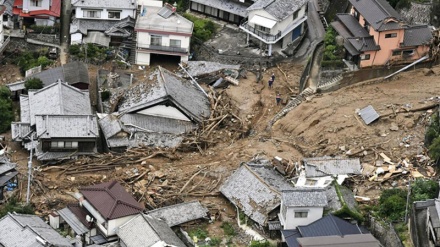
x: 57, y: 122
x: 156, y: 113
x: 102, y: 22
x: 8, y: 177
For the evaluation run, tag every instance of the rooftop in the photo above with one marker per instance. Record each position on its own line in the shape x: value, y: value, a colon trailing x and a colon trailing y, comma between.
x: 378, y: 13
x: 152, y: 21
x: 356, y: 240
x: 65, y: 126
x: 233, y: 7
x: 417, y: 35
x: 326, y: 165
x: 280, y: 9
x: 110, y: 4
x: 54, y: 10
x: 180, y: 213
x: 304, y: 198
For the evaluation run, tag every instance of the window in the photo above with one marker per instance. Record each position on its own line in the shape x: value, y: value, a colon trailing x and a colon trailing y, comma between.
x: 114, y: 15
x: 92, y: 14
x: 397, y: 53
x: 156, y: 40
x: 175, y: 43
x: 262, y: 29
x: 300, y: 214
x: 71, y: 144
x: 365, y: 57
x: 57, y: 144
x: 36, y: 3
x: 390, y: 35
x: 284, y: 211
x: 408, y: 53
x: 295, y: 15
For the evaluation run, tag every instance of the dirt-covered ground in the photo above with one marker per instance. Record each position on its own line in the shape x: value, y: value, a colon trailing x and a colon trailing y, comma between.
x: 326, y: 124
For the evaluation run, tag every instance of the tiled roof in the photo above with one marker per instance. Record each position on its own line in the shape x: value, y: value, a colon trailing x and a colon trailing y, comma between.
x: 291, y: 237
x: 198, y: 68
x: 180, y: 213
x: 328, y: 226
x: 353, y: 25
x: 326, y: 165
x: 54, y: 10
x: 225, y: 5
x: 417, y: 35
x: 364, y: 44
x: 75, y: 216
x: 85, y: 25
x: 145, y: 230
x: 280, y: 9
x: 157, y: 123
x: 304, y: 198
x: 20, y: 230
x: 256, y: 189
x: 66, y: 126
x: 378, y: 13
x: 111, y: 200
x: 6, y: 167
x: 108, y: 4
x: 355, y: 240
x: 8, y: 4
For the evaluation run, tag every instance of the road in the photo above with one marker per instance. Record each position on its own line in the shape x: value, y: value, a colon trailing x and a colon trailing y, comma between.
x: 65, y: 27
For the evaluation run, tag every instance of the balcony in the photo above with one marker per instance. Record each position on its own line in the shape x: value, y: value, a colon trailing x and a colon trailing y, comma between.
x: 163, y: 48
x: 260, y: 34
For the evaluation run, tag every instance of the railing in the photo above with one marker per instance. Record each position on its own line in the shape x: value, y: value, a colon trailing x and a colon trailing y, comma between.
x: 261, y: 34
x: 163, y: 48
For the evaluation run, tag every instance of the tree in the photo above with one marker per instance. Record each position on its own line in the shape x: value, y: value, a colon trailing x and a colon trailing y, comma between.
x: 33, y: 83
x: 6, y: 113
x: 392, y: 204
x: 424, y: 189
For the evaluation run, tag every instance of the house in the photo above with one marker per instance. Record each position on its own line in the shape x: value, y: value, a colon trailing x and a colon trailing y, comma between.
x: 38, y: 12
x: 4, y: 40
x: 146, y: 230
x: 100, y: 211
x: 276, y: 23
x: 22, y: 230
x: 156, y: 113
x: 8, y: 176
x: 321, y: 171
x: 160, y: 31
x: 355, y: 240
x: 301, y: 207
x: 425, y: 223
x: 375, y: 35
x: 256, y: 189
x: 177, y: 214
x: 73, y: 73
x: 232, y: 11
x: 57, y: 121
x: 7, y: 15
x: 102, y: 22
x: 329, y: 225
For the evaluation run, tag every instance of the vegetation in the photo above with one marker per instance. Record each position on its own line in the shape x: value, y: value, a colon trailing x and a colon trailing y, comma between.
x: 203, y: 29
x: 255, y: 243
x: 13, y: 206
x: 33, y: 83
x: 401, y: 4
x: 6, y: 113
x: 333, y: 53
x: 432, y: 137
x: 46, y: 29
x: 345, y: 211
x: 182, y: 5
x: 392, y: 204
x: 228, y: 229
x: 215, y: 242
x: 199, y: 233
x: 28, y: 60
x: 423, y: 189
x: 90, y: 51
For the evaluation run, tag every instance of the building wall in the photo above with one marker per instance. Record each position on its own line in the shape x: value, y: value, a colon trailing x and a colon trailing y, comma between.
x: 114, y: 224
x: 45, y: 4
x: 79, y: 13
x: 76, y: 38
x: 290, y: 222
x: 144, y: 39
x: 142, y: 58
x: 217, y: 13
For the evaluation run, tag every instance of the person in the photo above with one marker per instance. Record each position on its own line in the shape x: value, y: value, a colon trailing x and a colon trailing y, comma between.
x: 278, y: 98
x: 270, y: 83
x: 273, y: 77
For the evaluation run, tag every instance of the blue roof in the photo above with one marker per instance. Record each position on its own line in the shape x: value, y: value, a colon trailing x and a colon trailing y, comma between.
x: 291, y: 237
x: 328, y: 226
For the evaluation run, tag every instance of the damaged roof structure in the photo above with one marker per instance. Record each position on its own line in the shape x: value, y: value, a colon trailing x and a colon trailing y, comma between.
x: 180, y: 213
x: 157, y: 113
x: 8, y: 172
x: 57, y: 121
x: 209, y: 72
x: 256, y: 189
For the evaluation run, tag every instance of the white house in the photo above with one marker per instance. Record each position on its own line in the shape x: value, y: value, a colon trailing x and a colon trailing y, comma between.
x: 39, y: 12
x: 3, y: 42
x: 101, y: 21
x: 161, y: 31
x: 278, y: 22
x: 301, y: 207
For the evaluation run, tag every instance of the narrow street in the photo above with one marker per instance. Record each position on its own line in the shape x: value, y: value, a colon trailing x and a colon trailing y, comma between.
x: 65, y: 27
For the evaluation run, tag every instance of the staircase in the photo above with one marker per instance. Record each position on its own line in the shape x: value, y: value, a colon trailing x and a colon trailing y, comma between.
x: 321, y: 11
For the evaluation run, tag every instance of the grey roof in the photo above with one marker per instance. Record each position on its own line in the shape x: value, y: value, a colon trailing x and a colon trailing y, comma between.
x: 121, y: 28
x: 110, y: 125
x: 8, y: 4
x: 417, y: 35
x: 326, y: 165
x: 108, y: 4
x: 65, y: 126
x: 59, y: 155
x: 19, y: 230
x: 152, y: 21
x: 368, y: 114
x: 20, y: 130
x: 71, y: 73
x: 256, y: 189
x: 329, y: 226
x: 304, y: 198
x: 85, y: 25
x: 424, y: 204
x: 25, y: 116
x: 157, y: 124
x: 49, y: 76
x: 99, y: 38
x: 180, y: 213
x: 6, y: 167
x: 16, y: 86
x: 378, y: 13
x: 198, y: 68
x: 352, y: 24
x: 78, y: 227
x: 280, y: 9
x: 364, y: 44
x: 167, y: 86
x: 58, y: 99
x: 5, y: 178
x: 225, y: 5
x: 355, y: 240
x: 145, y: 230
x: 291, y: 237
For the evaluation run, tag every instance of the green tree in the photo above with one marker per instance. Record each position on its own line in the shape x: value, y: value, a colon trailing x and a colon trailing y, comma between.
x: 423, y: 189
x: 33, y: 83
x: 392, y: 204
x: 14, y: 206
x: 6, y: 113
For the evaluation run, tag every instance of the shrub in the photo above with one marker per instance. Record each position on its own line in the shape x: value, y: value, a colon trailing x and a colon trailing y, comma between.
x: 203, y: 29
x: 6, y: 113
x: 255, y: 243
x: 215, y: 242
x: 14, y: 206
x: 228, y: 229
x: 74, y: 49
x: 33, y: 83
x: 392, y: 204
x: 199, y: 233
x: 424, y: 189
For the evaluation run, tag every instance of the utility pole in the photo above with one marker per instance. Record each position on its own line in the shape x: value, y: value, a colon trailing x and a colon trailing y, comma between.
x: 407, y: 201
x: 29, y: 171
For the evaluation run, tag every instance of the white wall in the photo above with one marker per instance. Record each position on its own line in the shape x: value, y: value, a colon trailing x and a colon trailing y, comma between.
x: 144, y: 39
x: 44, y: 22
x: 164, y: 111
x: 142, y: 58
x: 290, y: 222
x: 44, y: 5
x: 151, y: 3
x: 79, y: 13
x: 76, y: 38
x: 114, y: 224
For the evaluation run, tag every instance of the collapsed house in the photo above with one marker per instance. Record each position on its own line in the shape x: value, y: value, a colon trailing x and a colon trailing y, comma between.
x: 211, y: 73
x: 57, y: 122
x: 157, y: 113
x: 180, y: 213
x: 8, y: 177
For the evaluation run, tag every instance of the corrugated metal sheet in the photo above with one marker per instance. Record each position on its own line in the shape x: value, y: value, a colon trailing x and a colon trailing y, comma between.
x: 78, y: 227
x: 368, y: 114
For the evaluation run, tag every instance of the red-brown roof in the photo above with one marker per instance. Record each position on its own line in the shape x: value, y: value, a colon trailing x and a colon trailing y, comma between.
x: 111, y: 200
x: 55, y: 9
x: 80, y: 214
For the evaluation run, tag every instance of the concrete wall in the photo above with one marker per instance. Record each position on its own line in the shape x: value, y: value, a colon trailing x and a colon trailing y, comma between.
x: 114, y: 224
x: 290, y: 222
x: 144, y: 39
x: 142, y: 58
x: 385, y: 233
x: 76, y: 38
x: 104, y: 13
